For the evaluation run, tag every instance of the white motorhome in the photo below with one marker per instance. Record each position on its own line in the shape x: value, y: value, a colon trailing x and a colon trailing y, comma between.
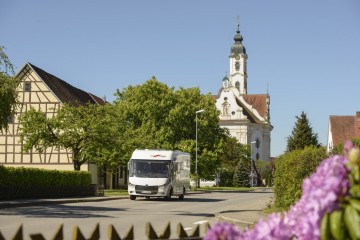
x: 158, y: 173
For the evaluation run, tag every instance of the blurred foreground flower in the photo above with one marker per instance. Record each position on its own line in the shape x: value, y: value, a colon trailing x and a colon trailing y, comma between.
x: 223, y: 231
x: 322, y: 193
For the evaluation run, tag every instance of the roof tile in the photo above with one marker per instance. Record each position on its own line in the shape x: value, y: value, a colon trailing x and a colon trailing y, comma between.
x: 64, y: 91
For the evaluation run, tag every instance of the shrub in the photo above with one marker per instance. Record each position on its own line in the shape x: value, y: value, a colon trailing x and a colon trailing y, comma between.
x: 242, y: 174
x: 226, y: 177
x: 290, y: 171
x: 10, y: 176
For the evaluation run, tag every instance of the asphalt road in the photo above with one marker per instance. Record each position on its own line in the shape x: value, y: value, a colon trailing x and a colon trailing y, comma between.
x: 195, y: 209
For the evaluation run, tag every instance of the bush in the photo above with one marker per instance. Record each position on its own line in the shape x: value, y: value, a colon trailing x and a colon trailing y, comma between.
x: 226, y: 177
x: 290, y: 170
x: 10, y: 176
x: 242, y: 174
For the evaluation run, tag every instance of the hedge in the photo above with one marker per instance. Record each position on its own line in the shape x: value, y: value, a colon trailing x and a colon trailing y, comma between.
x: 29, y: 177
x: 290, y: 170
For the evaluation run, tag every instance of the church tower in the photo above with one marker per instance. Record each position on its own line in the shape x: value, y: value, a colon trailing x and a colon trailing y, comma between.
x: 246, y: 116
x: 238, y: 61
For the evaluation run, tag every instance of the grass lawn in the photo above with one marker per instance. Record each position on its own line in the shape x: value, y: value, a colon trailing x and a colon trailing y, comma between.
x: 223, y: 188
x: 115, y: 192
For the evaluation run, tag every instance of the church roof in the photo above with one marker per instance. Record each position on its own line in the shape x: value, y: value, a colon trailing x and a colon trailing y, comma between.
x: 255, y: 101
x: 65, y: 91
x: 344, y: 128
x: 259, y: 102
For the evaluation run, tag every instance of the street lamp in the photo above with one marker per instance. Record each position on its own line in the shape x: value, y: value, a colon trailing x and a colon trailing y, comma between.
x: 196, y: 148
x: 252, y: 162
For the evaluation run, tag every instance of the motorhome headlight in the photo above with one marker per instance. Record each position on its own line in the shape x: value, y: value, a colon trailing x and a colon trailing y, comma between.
x: 161, y: 188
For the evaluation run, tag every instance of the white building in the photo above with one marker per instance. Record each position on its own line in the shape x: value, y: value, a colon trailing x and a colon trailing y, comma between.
x: 247, y: 116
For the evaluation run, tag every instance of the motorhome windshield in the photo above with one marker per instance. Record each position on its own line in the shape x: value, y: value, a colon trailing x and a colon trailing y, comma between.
x: 144, y: 168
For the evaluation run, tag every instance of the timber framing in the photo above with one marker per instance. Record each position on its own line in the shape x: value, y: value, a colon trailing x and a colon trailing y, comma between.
x: 46, y: 92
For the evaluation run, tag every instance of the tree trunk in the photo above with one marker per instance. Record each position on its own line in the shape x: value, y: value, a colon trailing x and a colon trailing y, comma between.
x: 77, y: 165
x: 111, y: 180
x: 258, y: 176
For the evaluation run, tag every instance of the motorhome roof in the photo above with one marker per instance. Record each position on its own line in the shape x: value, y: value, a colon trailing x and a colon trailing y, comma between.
x: 153, y: 154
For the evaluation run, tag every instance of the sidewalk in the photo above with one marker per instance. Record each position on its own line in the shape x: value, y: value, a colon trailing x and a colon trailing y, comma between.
x: 241, y: 218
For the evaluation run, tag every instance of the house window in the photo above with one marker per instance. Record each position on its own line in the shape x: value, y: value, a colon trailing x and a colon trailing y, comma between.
x: 10, y: 119
x: 27, y: 86
x: 257, y: 156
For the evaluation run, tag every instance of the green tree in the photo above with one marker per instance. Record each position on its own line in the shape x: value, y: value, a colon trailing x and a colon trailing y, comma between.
x: 157, y: 116
x: 107, y: 147
x: 302, y: 135
x: 145, y: 108
x: 80, y: 129
x: 266, y: 171
x: 8, y: 95
x: 232, y: 153
x: 242, y: 173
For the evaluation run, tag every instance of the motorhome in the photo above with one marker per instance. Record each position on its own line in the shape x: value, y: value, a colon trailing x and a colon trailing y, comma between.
x: 158, y: 173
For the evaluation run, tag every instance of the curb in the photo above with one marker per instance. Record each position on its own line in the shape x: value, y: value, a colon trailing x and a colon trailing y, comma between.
x: 39, y: 202
x: 240, y: 223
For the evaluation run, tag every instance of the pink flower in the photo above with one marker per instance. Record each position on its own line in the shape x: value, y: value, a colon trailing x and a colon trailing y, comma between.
x: 321, y: 192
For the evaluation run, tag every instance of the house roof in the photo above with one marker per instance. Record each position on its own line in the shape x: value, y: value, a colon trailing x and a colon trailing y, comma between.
x: 343, y: 128
x: 64, y: 91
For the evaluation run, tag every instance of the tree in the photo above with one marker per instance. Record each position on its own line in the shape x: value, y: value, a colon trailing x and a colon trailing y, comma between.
x: 81, y: 129
x: 265, y: 169
x: 232, y: 152
x: 145, y: 109
x: 8, y: 84
x: 302, y: 135
x: 157, y: 116
x: 242, y: 173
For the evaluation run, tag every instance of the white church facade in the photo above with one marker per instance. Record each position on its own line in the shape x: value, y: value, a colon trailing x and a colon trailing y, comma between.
x: 246, y: 116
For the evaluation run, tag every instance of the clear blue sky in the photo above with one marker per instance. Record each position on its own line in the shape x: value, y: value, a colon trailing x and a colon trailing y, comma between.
x: 307, y: 53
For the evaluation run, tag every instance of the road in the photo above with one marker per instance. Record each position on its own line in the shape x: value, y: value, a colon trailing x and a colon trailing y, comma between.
x: 195, y: 209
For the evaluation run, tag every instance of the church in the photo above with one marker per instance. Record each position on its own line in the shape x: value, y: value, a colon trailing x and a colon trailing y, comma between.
x: 246, y: 116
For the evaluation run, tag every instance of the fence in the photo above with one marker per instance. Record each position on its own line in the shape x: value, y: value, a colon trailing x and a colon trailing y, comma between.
x: 113, y: 234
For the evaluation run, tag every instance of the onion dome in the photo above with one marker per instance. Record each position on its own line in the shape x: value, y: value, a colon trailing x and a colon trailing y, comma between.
x: 237, y: 47
x: 225, y: 82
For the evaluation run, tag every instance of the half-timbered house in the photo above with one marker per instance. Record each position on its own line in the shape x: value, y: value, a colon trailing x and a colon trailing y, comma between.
x: 47, y: 92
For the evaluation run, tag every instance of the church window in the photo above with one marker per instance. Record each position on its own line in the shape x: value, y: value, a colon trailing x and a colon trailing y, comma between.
x: 237, y: 85
x: 233, y: 112
x: 27, y: 86
x: 257, y: 143
x: 237, y: 65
